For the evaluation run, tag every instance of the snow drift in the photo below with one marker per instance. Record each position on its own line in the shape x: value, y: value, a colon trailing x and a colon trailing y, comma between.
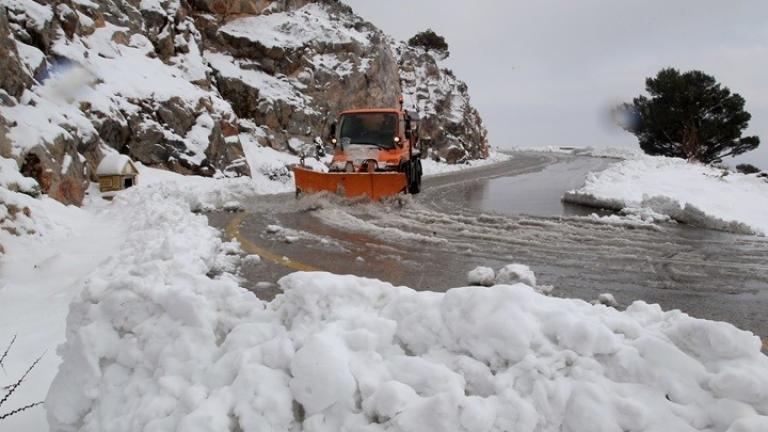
x: 163, y: 338
x: 687, y: 192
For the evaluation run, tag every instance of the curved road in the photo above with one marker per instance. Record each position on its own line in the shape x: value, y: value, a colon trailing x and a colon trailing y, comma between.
x: 506, y: 213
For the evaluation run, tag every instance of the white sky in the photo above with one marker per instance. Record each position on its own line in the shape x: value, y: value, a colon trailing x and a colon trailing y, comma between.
x: 544, y: 72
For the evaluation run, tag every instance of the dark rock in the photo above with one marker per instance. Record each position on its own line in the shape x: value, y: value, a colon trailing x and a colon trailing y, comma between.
x: 68, y: 19
x: 113, y: 129
x: 58, y: 170
x: 226, y: 155
x: 244, y: 99
x: 5, y: 143
x: 13, y: 77
x: 176, y: 115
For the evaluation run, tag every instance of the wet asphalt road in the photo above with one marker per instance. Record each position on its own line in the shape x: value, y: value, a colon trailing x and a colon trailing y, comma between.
x: 493, y: 216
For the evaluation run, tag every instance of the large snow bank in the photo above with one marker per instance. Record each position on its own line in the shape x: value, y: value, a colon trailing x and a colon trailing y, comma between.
x: 159, y: 291
x: 270, y: 174
x: 687, y: 192
x: 155, y: 344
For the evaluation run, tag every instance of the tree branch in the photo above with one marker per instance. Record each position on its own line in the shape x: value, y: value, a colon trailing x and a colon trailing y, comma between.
x: 5, y: 354
x: 12, y: 388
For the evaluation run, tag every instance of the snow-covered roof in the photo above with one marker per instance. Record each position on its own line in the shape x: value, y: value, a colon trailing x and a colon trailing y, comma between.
x: 115, y: 164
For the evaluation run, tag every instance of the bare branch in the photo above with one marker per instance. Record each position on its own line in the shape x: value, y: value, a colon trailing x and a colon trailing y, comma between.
x: 12, y: 388
x: 18, y: 410
x: 5, y: 354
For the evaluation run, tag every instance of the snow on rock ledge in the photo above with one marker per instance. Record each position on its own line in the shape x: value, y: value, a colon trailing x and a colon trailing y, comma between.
x: 687, y: 192
x: 154, y: 343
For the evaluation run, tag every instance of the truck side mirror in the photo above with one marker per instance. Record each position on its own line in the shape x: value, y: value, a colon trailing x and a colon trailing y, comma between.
x: 332, y: 130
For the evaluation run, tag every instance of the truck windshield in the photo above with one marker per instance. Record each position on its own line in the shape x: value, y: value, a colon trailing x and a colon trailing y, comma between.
x: 378, y: 129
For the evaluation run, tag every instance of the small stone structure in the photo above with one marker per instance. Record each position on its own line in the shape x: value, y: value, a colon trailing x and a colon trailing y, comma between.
x: 116, y: 172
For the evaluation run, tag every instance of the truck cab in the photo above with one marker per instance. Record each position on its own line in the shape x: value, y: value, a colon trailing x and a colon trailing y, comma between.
x: 377, y: 140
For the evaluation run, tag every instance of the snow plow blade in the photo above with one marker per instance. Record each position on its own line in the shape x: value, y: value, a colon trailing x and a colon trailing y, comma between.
x: 374, y: 185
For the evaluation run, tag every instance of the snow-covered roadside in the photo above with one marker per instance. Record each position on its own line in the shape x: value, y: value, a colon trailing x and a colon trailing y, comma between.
x: 40, y: 273
x: 42, y: 269
x: 599, y: 152
x: 431, y: 167
x: 687, y: 192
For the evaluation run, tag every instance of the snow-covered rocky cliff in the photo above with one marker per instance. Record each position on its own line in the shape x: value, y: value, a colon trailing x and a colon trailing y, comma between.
x: 182, y: 85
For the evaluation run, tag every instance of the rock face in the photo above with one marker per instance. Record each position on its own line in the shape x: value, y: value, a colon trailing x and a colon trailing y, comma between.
x: 180, y: 85
x: 442, y: 101
x: 13, y: 78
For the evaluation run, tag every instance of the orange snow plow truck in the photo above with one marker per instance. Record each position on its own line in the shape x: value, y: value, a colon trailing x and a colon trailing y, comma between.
x: 376, y: 154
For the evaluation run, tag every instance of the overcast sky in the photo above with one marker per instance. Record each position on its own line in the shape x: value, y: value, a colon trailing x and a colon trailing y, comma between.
x: 544, y: 72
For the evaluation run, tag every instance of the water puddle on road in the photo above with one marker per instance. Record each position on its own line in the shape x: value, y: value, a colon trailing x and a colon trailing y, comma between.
x: 534, y: 194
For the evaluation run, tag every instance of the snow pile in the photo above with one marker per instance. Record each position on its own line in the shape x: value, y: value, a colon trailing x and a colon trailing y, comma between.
x: 508, y: 275
x: 600, y: 152
x: 633, y: 217
x: 516, y: 273
x: 11, y: 178
x: 270, y: 174
x: 607, y: 299
x: 21, y: 214
x: 165, y: 314
x: 431, y: 167
x: 686, y: 192
x: 611, y: 152
x: 176, y: 350
x: 204, y: 193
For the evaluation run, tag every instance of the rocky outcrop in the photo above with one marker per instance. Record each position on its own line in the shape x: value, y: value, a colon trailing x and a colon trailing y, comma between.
x: 294, y: 92
x: 178, y: 84
x: 448, y: 119
x: 59, y: 170
x: 324, y: 59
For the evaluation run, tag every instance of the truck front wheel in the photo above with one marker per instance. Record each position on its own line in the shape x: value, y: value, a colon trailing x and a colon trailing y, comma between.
x: 414, y: 179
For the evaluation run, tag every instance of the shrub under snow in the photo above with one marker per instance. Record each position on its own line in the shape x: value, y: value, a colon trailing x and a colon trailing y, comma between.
x: 155, y: 344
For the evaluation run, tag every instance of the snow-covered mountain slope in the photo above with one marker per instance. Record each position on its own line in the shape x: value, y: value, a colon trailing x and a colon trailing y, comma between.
x: 177, y: 84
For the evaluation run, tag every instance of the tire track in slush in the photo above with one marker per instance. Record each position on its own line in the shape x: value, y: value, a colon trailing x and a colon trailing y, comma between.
x: 233, y: 231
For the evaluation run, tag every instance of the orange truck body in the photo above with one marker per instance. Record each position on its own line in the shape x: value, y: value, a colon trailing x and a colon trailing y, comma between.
x: 375, y: 171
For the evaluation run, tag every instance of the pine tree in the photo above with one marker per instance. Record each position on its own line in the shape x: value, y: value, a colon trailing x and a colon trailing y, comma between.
x: 430, y: 40
x: 689, y: 115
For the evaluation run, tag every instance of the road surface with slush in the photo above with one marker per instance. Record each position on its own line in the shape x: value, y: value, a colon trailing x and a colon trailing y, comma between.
x: 500, y: 214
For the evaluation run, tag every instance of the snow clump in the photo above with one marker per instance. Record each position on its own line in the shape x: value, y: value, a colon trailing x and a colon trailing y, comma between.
x: 483, y: 276
x: 516, y: 273
x: 607, y: 299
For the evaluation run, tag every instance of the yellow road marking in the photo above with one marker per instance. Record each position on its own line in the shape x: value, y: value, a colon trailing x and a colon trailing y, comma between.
x: 233, y: 231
